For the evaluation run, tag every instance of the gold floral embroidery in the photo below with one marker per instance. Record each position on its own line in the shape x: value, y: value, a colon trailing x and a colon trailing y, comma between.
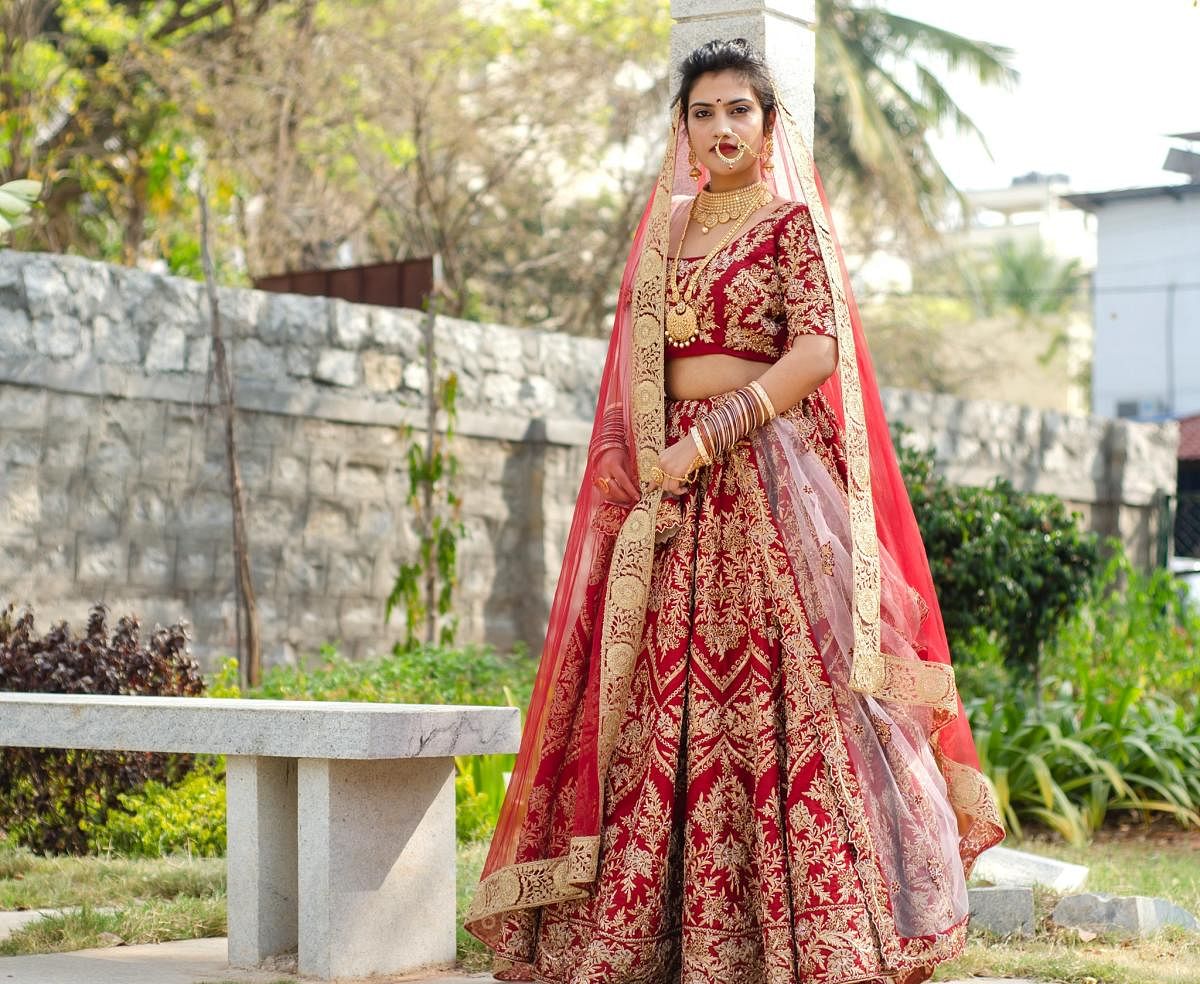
x: 633, y: 553
x: 764, y: 302
x: 807, y: 298
x: 827, y: 559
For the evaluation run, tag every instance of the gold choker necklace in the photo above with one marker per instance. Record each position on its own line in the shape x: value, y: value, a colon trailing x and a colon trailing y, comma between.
x: 714, y: 208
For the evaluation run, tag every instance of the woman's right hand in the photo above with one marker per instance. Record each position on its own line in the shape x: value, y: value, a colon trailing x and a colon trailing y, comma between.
x: 620, y: 485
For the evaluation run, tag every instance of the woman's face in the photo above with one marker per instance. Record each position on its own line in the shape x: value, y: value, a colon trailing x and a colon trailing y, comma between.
x: 722, y: 108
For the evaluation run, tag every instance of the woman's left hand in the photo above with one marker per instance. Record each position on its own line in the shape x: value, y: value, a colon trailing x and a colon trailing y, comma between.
x: 676, y: 460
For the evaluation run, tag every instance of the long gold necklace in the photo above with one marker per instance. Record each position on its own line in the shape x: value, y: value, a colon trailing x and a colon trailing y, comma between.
x: 714, y: 208
x: 682, y: 323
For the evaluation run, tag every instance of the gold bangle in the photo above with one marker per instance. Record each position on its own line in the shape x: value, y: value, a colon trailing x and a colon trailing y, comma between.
x: 698, y: 440
x: 757, y: 388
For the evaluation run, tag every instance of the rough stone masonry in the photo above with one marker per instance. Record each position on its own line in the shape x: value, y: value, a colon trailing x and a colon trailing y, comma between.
x: 114, y: 488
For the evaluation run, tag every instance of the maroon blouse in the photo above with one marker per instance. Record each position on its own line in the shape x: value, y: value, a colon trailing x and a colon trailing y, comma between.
x: 761, y: 291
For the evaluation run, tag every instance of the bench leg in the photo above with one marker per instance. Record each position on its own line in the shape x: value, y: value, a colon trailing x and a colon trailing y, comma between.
x: 377, y: 866
x: 261, y: 857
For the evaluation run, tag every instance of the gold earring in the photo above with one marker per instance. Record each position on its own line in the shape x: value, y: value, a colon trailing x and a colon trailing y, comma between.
x: 768, y: 165
x: 694, y: 161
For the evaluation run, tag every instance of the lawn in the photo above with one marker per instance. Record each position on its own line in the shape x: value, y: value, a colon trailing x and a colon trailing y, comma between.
x: 1165, y: 864
x: 133, y: 901
x: 180, y: 898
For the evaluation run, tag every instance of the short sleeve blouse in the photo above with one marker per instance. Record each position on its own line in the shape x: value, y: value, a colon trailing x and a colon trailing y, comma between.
x: 761, y: 291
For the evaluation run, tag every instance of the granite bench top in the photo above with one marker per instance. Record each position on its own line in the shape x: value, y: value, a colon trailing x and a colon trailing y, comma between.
x: 273, y: 728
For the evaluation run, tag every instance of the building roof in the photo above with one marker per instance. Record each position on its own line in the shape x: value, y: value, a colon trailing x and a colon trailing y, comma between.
x: 1189, y: 438
x: 1093, y: 200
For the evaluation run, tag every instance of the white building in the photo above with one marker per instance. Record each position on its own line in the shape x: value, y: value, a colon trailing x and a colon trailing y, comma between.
x: 1146, y: 296
x: 1034, y: 208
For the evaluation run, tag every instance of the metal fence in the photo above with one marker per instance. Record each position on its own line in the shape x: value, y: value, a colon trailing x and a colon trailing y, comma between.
x: 1187, y: 524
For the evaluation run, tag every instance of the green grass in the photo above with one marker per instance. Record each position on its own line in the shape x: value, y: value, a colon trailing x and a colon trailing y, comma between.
x: 472, y: 955
x: 28, y: 881
x: 154, y: 900
x: 1166, y: 866
x: 1169, y: 868
x: 148, y: 922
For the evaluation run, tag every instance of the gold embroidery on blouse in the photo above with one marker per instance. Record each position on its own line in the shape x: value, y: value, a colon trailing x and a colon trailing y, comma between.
x: 753, y: 296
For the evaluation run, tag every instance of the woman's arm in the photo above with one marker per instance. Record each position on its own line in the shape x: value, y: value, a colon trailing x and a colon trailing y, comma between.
x: 809, y: 358
x: 810, y: 361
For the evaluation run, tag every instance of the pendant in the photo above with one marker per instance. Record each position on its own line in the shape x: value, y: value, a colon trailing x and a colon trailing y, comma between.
x: 681, y: 324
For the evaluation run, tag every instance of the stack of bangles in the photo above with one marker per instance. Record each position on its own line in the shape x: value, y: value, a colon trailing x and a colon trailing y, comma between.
x: 716, y: 432
x: 610, y: 437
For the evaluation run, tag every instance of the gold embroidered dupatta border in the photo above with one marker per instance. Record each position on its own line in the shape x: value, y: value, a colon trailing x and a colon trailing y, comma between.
x: 873, y: 671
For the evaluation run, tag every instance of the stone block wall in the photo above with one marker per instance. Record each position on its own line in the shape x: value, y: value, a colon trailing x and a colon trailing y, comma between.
x: 113, y: 485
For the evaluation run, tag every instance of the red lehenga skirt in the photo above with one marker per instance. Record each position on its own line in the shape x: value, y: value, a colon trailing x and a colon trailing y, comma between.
x: 734, y: 844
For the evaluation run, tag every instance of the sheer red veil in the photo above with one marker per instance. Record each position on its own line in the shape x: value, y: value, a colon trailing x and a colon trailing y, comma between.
x: 880, y: 633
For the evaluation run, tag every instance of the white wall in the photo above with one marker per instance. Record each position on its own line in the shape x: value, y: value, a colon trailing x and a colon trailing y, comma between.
x: 1144, y: 245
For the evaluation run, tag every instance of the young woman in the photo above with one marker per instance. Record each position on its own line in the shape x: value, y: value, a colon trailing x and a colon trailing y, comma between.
x: 745, y: 759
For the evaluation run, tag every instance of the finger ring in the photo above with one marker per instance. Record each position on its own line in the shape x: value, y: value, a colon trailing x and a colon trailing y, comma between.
x: 602, y: 483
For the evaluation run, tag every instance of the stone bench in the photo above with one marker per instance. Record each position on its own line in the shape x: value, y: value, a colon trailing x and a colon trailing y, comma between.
x: 341, y: 838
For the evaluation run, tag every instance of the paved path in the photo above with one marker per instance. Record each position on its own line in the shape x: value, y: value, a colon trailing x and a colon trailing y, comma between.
x: 198, y: 962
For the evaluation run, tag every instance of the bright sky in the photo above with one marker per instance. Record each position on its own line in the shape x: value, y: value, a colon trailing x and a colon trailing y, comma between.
x: 1101, y: 85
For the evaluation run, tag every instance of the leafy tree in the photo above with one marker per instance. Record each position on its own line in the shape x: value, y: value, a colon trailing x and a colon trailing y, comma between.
x: 82, y: 108
x: 1032, y: 281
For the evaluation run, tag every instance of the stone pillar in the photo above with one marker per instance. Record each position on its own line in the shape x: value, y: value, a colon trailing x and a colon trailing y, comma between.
x: 261, y: 859
x: 784, y: 30
x: 377, y: 872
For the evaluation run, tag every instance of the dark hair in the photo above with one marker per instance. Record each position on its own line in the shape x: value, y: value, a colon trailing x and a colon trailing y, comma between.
x: 737, y: 55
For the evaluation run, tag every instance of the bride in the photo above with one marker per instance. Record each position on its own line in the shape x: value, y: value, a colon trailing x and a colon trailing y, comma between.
x: 745, y: 759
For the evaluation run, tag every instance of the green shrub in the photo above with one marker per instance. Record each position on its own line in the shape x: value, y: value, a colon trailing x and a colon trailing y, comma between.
x: 1006, y: 564
x: 1135, y: 628
x: 424, y: 675
x: 51, y: 798
x: 186, y: 818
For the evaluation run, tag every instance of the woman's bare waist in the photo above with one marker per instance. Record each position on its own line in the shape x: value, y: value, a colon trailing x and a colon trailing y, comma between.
x: 698, y: 377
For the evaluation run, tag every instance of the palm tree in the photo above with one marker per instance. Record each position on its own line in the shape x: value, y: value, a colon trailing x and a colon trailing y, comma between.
x: 1032, y: 281
x: 878, y: 99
